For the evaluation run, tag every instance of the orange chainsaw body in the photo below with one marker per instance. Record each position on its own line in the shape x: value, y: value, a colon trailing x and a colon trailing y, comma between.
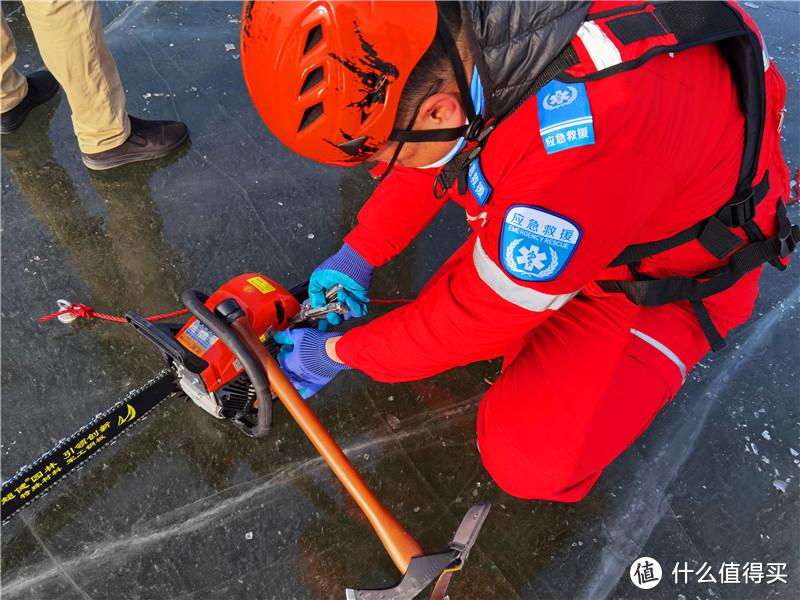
x: 266, y: 304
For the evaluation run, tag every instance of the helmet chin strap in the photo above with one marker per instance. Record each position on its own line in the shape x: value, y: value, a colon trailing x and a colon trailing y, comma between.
x: 474, y: 124
x: 458, y: 68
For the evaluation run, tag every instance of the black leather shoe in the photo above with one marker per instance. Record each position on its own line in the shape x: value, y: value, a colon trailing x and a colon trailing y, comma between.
x: 148, y: 140
x: 41, y: 87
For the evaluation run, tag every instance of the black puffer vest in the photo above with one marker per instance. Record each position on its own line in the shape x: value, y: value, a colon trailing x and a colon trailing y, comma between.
x: 514, y: 42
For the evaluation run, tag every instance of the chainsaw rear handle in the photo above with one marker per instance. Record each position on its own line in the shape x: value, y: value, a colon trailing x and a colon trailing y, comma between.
x: 219, y: 326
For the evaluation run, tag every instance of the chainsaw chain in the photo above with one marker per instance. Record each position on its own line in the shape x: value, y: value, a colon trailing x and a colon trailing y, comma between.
x: 66, y: 442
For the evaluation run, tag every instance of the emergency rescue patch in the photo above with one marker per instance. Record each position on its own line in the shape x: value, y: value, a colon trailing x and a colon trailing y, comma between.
x: 536, y: 244
x: 477, y: 182
x: 565, y: 117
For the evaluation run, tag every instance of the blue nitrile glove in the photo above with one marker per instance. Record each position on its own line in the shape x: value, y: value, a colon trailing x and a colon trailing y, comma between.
x: 303, y: 358
x: 348, y: 269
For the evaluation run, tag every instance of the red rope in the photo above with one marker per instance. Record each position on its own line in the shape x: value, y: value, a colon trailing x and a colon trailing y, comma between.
x: 391, y: 301
x: 81, y: 311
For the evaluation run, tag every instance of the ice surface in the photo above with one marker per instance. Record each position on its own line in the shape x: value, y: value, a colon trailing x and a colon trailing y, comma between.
x: 186, y: 507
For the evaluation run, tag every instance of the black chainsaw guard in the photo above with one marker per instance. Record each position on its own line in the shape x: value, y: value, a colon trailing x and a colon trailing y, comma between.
x: 163, y: 336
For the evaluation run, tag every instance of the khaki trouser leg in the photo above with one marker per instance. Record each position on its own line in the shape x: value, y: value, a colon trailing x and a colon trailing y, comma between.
x: 13, y: 86
x: 72, y: 43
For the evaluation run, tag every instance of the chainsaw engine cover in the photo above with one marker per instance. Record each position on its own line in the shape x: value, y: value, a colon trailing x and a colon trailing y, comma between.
x: 267, y: 305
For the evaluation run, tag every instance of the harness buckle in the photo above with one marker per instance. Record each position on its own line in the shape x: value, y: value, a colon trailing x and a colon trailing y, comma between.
x: 739, y: 210
x: 474, y: 129
x: 789, y: 240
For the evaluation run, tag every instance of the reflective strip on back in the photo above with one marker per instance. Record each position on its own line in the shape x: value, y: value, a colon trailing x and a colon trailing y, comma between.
x: 601, y: 49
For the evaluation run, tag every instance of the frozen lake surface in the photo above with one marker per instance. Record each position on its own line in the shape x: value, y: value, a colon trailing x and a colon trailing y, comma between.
x: 185, y: 507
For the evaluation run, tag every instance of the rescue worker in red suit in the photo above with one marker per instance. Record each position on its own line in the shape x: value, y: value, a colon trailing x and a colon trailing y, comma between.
x: 560, y: 186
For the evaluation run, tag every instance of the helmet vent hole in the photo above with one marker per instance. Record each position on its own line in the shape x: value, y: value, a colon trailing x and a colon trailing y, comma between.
x: 314, y: 38
x: 315, y: 77
x: 311, y: 114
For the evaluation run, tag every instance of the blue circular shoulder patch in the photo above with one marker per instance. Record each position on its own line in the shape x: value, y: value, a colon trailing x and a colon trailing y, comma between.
x: 536, y: 244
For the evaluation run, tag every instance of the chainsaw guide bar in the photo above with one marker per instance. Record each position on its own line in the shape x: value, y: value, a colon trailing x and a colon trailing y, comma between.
x: 36, y: 479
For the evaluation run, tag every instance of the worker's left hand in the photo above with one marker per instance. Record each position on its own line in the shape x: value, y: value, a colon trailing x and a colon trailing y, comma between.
x: 304, y: 360
x: 348, y: 269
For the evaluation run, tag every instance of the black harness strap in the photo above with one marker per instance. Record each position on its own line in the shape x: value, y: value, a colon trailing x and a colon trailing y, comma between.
x: 693, y: 23
x: 714, y: 233
x: 715, y: 340
x: 656, y: 292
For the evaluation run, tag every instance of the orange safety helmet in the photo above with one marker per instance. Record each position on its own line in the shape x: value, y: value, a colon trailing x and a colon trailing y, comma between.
x: 327, y: 76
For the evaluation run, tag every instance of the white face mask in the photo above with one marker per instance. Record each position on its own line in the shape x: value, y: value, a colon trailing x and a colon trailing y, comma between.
x: 446, y: 159
x: 476, y: 91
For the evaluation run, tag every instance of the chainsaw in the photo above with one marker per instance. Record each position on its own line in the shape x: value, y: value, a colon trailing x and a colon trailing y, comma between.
x: 225, y: 360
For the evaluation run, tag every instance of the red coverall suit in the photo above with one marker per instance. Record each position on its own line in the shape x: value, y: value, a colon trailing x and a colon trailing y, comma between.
x: 585, y: 372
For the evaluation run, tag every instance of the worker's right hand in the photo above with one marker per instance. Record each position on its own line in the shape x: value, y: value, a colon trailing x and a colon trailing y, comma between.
x: 348, y: 269
x: 303, y: 358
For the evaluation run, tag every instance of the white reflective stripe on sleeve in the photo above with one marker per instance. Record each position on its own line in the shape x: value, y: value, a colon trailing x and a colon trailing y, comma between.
x: 481, y: 216
x: 664, y: 350
x: 496, y: 278
x: 602, y: 50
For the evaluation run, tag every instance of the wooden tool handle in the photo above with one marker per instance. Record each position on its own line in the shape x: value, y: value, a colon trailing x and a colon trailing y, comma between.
x: 397, y: 541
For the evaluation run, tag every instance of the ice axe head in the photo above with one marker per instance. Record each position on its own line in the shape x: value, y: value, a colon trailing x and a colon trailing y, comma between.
x: 439, y: 567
